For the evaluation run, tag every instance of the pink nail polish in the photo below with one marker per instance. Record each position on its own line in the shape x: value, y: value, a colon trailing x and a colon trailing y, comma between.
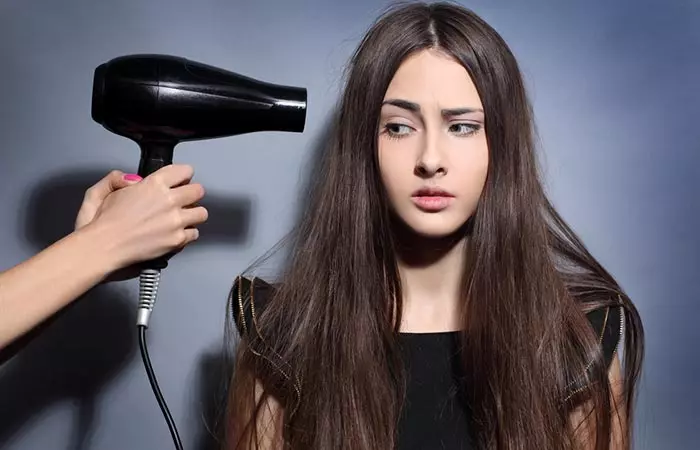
x: 132, y: 177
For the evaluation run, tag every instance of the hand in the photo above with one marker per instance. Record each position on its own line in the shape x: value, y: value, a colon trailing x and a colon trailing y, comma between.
x: 97, y: 193
x: 144, y: 219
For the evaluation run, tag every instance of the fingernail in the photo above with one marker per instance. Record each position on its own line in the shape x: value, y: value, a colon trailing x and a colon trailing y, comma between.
x: 132, y: 177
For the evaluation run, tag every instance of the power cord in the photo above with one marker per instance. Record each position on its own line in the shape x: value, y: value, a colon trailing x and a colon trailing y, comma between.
x: 148, y: 292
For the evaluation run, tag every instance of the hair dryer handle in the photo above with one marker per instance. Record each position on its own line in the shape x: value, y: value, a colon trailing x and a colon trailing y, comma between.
x: 155, y: 155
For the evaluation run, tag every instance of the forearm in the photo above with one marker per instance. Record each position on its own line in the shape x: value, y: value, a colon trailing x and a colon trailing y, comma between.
x: 37, y: 288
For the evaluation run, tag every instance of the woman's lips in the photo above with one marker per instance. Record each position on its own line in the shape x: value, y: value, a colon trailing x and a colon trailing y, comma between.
x: 432, y: 199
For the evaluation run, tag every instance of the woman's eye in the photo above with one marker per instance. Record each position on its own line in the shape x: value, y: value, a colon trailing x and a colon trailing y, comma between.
x: 397, y: 130
x: 465, y: 129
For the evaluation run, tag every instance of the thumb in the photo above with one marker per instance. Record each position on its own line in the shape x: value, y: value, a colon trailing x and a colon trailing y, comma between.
x: 124, y: 180
x: 115, y: 180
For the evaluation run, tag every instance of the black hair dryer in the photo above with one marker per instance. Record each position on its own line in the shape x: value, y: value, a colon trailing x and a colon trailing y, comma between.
x: 159, y: 101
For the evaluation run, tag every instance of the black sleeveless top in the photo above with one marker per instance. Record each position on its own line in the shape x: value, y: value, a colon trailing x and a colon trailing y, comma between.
x: 433, y: 417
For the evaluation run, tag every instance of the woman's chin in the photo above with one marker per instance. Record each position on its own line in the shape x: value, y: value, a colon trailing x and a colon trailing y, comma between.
x: 435, y: 227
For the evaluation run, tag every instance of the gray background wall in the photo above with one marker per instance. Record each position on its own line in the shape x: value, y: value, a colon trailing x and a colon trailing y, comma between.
x: 615, y: 90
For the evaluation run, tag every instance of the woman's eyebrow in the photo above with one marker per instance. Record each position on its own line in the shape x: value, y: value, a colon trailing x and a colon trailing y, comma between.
x: 415, y: 107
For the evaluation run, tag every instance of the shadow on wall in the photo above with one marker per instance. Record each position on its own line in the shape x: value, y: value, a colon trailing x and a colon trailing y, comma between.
x: 79, y: 351
x: 216, y: 366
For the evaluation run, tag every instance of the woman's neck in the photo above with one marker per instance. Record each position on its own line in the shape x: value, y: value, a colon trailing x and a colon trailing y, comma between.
x: 431, y: 272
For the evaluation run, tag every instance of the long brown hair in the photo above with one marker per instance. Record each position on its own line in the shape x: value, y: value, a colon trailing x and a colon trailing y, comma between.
x: 329, y: 354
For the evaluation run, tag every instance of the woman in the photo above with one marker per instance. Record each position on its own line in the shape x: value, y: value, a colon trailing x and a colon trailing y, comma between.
x: 434, y: 299
x: 122, y: 221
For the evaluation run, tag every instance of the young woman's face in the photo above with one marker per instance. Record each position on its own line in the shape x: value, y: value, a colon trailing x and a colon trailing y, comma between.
x: 433, y: 154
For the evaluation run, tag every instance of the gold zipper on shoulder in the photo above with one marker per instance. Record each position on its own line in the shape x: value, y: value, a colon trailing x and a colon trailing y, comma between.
x: 600, y: 342
x: 241, y: 314
x: 622, y: 328
x: 295, y: 382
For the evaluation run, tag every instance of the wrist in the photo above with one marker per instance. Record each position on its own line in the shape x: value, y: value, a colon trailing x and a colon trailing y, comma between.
x: 102, y: 249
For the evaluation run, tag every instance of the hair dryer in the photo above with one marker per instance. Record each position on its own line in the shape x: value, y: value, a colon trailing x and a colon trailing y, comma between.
x: 159, y: 101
